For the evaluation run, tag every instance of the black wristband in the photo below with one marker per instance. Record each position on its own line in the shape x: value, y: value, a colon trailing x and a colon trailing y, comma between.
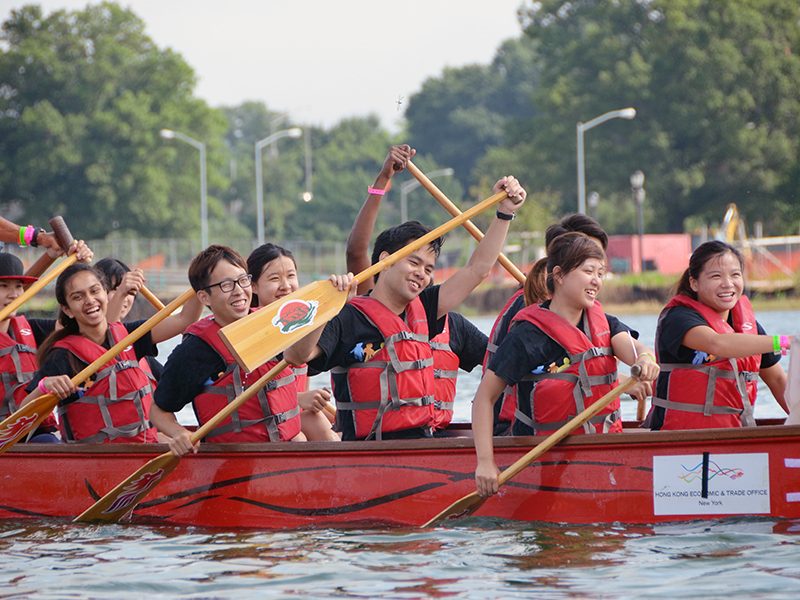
x: 36, y: 232
x: 505, y: 217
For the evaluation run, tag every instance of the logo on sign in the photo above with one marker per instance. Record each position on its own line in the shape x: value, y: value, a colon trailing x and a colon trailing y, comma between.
x: 295, y: 314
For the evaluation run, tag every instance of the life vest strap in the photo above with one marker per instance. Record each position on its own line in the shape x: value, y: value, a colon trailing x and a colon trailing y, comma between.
x: 442, y: 374
x: 746, y: 413
x: 439, y: 405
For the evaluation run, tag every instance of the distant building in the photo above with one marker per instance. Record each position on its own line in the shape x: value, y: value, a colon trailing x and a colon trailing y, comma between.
x: 666, y: 253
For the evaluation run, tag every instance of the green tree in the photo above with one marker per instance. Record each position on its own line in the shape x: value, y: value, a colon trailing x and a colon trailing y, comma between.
x: 716, y: 86
x: 458, y: 116
x: 83, y: 95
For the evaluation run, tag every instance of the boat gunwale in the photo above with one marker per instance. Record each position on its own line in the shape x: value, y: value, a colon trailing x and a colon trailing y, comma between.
x: 630, y: 437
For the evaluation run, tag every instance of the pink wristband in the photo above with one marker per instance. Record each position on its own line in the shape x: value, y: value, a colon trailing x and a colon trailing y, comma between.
x: 376, y: 191
x: 41, y: 387
x: 29, y: 233
x: 784, y: 344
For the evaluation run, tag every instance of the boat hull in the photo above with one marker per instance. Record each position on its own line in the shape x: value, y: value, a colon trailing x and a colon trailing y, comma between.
x: 641, y: 477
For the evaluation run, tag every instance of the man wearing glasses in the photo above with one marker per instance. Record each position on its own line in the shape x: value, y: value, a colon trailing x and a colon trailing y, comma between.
x: 202, y: 371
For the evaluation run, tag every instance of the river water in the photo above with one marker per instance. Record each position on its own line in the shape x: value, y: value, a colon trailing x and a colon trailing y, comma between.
x: 481, y: 558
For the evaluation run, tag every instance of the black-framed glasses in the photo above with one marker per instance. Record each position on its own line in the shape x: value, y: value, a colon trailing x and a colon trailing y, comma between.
x: 245, y: 281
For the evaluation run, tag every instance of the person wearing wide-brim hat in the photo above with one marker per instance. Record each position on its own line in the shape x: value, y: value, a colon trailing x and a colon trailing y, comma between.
x: 18, y: 344
x: 19, y: 340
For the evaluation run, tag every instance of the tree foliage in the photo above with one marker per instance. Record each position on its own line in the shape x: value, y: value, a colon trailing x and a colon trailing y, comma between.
x: 83, y: 96
x: 716, y: 86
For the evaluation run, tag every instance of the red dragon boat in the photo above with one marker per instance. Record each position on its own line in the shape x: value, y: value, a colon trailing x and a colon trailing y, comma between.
x: 635, y: 477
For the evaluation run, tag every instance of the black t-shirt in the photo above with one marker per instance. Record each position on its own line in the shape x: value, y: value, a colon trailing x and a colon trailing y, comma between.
x: 466, y: 341
x: 351, y: 338
x: 672, y: 329
x: 61, y: 361
x: 527, y: 349
x: 41, y: 328
x: 192, y: 365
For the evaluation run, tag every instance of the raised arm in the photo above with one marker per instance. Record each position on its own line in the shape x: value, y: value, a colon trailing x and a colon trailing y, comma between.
x: 358, y: 241
x: 177, y: 324
x: 462, y: 282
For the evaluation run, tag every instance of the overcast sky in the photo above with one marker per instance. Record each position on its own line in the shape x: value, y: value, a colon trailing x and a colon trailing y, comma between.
x: 319, y: 60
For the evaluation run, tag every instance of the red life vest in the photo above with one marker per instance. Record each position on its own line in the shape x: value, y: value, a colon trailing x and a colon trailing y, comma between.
x: 445, y: 372
x: 719, y: 393
x: 592, y: 373
x: 394, y: 389
x: 116, y: 406
x: 508, y: 400
x: 272, y: 415
x: 17, y: 363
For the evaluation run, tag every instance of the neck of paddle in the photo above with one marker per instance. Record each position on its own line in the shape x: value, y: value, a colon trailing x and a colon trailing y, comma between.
x: 429, y: 237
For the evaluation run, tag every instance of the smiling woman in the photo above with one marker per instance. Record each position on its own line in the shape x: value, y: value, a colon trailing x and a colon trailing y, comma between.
x: 562, y: 355
x: 708, y: 335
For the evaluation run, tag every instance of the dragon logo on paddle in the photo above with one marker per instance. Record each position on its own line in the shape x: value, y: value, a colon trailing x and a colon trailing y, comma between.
x: 141, y: 486
x: 295, y: 314
x: 16, y: 429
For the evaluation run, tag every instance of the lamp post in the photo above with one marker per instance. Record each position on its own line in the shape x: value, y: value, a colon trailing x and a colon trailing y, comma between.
x: 637, y: 187
x: 308, y: 195
x: 593, y: 200
x: 169, y: 134
x: 625, y: 113
x: 294, y: 132
x: 412, y: 184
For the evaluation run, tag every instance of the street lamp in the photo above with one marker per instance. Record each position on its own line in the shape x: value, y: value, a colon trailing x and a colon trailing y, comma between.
x: 593, y: 200
x: 169, y: 134
x: 625, y: 113
x: 294, y: 132
x: 412, y: 184
x: 637, y: 187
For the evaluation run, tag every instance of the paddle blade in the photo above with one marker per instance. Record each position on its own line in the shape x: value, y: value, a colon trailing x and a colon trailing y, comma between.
x: 468, y: 505
x: 267, y: 332
x: 123, y: 499
x: 25, y: 420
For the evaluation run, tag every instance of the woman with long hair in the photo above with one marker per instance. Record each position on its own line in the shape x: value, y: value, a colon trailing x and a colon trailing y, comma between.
x: 113, y: 406
x: 561, y: 354
x: 711, y: 348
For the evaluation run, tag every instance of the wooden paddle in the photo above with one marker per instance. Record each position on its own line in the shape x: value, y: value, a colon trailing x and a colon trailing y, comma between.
x: 151, y: 298
x: 258, y: 337
x: 65, y: 240
x: 472, y: 502
x: 468, y: 225
x: 36, y: 286
x: 28, y: 417
x: 124, y: 498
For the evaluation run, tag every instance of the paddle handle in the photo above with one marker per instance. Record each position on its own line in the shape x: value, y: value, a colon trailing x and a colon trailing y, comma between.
x: 62, y: 233
x: 430, y: 236
x: 641, y: 409
x: 151, y: 298
x: 565, y: 430
x: 44, y: 262
x: 468, y: 225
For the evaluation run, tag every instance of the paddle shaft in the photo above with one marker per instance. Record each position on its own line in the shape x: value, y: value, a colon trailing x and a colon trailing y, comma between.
x: 565, y: 430
x: 468, y: 225
x: 43, y: 405
x: 472, y: 502
x: 258, y: 337
x: 151, y: 297
x: 430, y: 236
x: 108, y: 508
